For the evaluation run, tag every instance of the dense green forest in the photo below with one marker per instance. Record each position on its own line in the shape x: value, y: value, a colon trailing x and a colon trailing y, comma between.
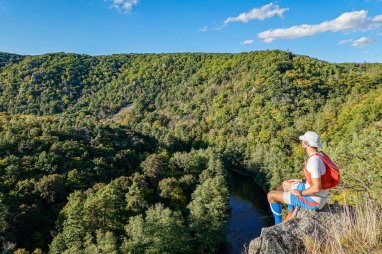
x: 130, y: 153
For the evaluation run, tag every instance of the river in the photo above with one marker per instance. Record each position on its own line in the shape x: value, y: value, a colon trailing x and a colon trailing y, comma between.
x: 249, y: 213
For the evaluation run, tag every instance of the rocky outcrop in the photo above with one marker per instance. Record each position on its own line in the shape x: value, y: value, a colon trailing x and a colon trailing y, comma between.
x: 288, y: 237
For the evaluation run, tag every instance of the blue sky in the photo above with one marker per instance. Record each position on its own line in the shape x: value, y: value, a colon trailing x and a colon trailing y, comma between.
x: 336, y: 30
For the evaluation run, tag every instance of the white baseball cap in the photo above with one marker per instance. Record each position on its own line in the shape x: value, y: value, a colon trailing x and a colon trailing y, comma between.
x: 312, y: 138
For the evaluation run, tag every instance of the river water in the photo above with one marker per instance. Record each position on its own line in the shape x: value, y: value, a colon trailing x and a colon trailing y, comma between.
x: 249, y: 213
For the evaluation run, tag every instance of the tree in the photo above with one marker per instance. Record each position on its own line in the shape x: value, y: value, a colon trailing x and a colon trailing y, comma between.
x: 104, y: 243
x: 160, y: 231
x: 96, y: 211
x: 73, y: 228
x: 139, y: 194
x: 170, y: 190
x: 209, y: 214
x: 51, y: 188
x: 214, y: 168
x: 136, y: 197
x: 155, y: 168
x: 3, y: 218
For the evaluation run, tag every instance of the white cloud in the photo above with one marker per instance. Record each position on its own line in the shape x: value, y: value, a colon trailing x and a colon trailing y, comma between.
x: 345, y: 41
x: 377, y: 18
x: 348, y: 21
x: 265, y: 12
x: 203, y: 29
x: 247, y: 42
x: 124, y: 5
x: 361, y: 42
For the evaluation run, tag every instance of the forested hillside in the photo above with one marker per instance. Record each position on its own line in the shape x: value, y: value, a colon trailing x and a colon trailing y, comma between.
x: 97, y: 153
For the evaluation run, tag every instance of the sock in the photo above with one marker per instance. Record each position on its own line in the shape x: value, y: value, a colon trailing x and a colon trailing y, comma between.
x: 276, y: 211
x: 290, y: 208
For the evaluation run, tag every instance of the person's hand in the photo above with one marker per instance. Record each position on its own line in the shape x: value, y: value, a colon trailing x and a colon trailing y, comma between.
x: 295, y: 192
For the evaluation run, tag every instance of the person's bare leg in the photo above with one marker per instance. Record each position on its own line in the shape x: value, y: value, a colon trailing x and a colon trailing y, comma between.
x: 275, y: 196
x: 274, y: 199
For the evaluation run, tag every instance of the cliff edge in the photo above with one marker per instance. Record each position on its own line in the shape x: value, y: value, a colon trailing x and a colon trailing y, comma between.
x: 289, y: 237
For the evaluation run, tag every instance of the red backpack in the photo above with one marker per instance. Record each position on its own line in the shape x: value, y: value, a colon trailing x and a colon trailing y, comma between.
x: 331, y: 177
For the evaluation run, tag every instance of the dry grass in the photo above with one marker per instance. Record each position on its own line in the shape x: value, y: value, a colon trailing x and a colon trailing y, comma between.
x: 358, y: 232
x: 362, y: 233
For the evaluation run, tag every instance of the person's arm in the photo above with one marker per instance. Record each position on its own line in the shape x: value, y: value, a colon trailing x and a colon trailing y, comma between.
x: 288, y: 184
x: 295, y: 180
x: 315, y: 188
x: 313, y: 165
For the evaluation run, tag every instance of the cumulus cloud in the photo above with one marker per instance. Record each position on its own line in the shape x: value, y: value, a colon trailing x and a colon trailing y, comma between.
x: 361, y: 42
x: 265, y: 12
x: 345, y: 41
x: 377, y: 18
x: 247, y: 42
x: 124, y: 5
x: 348, y: 21
x: 203, y: 29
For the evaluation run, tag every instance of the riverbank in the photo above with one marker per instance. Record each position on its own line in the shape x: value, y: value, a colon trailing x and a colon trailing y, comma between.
x: 249, y: 212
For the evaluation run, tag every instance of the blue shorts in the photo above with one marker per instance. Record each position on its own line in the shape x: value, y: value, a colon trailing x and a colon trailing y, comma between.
x: 302, y: 201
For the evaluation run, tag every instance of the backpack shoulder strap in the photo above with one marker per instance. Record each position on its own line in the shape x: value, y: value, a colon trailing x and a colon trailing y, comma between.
x: 325, y: 158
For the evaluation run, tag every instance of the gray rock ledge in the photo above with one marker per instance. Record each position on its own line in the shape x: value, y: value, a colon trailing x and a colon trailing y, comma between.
x: 288, y: 237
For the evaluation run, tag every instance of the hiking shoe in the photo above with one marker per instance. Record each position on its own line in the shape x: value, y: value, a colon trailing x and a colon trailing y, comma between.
x: 289, y: 215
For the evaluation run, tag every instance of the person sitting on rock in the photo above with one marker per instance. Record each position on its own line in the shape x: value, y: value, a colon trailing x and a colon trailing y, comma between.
x: 320, y: 173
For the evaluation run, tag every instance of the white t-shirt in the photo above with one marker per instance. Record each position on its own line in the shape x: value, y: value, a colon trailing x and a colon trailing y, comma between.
x: 316, y: 168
